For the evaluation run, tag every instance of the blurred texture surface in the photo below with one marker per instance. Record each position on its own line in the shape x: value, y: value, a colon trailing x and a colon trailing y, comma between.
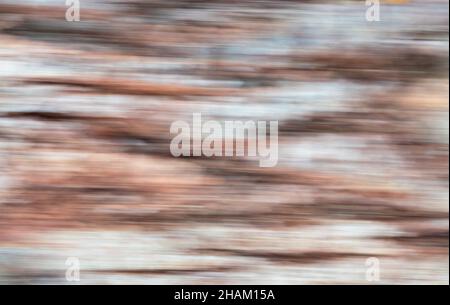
x: 85, y: 167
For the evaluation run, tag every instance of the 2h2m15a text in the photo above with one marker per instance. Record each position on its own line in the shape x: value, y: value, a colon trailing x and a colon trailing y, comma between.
x: 227, y: 294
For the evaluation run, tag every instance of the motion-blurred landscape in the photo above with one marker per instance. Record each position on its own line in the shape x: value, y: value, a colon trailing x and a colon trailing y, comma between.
x: 86, y: 170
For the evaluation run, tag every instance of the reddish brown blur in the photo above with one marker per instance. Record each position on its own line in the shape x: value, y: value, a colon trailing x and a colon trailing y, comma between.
x: 86, y: 171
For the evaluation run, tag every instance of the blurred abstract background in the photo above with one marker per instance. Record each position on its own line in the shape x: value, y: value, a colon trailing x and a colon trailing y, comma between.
x: 86, y: 171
